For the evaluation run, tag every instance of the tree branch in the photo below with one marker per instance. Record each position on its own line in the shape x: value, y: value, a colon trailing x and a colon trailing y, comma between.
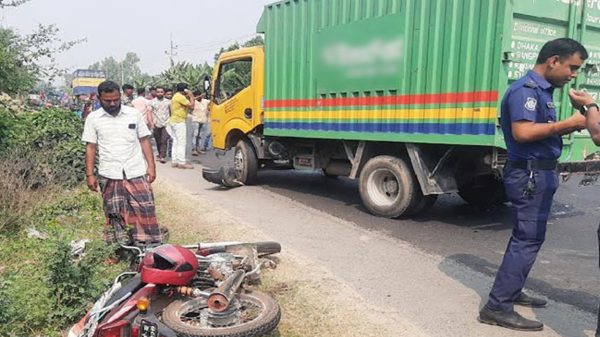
x: 13, y: 3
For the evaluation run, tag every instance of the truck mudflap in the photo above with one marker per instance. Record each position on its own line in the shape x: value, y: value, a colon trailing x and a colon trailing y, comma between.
x: 224, y: 176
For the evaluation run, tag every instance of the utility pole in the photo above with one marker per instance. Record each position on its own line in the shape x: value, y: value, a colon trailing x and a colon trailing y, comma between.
x: 172, y: 51
x: 122, y: 75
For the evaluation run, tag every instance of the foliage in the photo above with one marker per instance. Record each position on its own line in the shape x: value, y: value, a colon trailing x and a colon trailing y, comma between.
x: 38, y: 151
x: 12, y: 3
x: 256, y: 41
x: 185, y: 72
x: 49, y: 138
x: 22, y: 56
x: 42, y: 288
x: 124, y: 71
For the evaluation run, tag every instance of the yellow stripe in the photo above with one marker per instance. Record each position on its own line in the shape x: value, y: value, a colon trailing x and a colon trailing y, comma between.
x: 445, y: 113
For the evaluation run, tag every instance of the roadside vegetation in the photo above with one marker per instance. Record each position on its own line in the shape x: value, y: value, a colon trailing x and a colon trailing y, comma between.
x: 43, y: 207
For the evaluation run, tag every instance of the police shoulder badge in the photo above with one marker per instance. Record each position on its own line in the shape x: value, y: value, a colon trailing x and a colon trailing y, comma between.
x: 531, y: 104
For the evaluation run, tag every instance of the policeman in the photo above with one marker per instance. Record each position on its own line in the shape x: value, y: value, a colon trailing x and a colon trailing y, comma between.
x: 534, y: 143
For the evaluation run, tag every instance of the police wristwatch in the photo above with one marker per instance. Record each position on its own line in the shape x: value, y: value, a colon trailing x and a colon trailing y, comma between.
x: 585, y: 108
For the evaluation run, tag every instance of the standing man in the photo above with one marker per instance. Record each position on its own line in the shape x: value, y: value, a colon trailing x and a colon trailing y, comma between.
x: 161, y: 110
x: 534, y: 143
x: 180, y: 107
x: 151, y: 93
x: 143, y: 106
x: 199, y: 118
x: 126, y: 168
x: 127, y: 95
x: 169, y: 94
x: 587, y: 105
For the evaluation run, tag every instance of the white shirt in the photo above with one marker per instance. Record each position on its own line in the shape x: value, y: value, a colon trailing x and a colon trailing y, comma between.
x: 161, y: 110
x: 118, y: 142
x: 200, y: 113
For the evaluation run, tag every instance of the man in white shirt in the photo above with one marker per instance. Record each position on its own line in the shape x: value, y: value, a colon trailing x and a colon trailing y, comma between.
x: 126, y: 168
x: 161, y: 110
x: 143, y: 106
x: 199, y: 119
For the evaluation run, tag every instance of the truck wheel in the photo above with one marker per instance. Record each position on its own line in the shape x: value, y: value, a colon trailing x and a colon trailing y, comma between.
x: 245, y: 162
x: 483, y: 191
x: 387, y: 186
x: 421, y: 205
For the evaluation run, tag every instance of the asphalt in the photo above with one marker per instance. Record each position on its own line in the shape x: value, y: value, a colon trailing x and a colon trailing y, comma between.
x: 567, y: 266
x: 434, y: 270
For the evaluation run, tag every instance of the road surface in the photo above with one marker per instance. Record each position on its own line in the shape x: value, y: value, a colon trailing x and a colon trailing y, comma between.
x: 434, y: 269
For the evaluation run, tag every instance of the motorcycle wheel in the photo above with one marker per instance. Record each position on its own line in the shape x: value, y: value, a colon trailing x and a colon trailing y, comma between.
x: 260, y: 314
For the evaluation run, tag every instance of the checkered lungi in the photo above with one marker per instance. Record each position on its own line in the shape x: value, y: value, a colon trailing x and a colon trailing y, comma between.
x: 129, y: 209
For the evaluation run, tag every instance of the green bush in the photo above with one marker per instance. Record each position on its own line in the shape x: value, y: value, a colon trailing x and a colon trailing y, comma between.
x: 50, y: 140
x: 43, y: 290
x: 39, y: 151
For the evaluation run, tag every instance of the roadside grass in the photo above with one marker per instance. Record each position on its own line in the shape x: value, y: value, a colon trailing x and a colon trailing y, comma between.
x: 42, y: 290
x: 313, y: 303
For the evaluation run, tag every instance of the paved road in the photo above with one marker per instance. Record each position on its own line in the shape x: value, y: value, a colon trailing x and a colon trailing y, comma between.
x: 567, y: 267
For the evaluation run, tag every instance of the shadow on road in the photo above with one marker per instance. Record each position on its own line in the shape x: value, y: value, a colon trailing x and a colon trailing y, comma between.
x: 449, y: 209
x: 561, y: 322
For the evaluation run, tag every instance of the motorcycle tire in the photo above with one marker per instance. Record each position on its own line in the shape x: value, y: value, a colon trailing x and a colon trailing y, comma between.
x: 266, y: 321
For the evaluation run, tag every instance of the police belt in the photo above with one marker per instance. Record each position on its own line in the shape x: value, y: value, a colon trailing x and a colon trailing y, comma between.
x: 533, y: 164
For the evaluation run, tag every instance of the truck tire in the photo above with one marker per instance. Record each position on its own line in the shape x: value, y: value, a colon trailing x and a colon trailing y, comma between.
x: 483, y: 191
x: 422, y: 204
x: 245, y: 162
x: 387, y: 186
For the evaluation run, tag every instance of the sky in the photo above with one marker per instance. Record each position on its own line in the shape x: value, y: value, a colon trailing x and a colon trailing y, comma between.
x: 199, y: 28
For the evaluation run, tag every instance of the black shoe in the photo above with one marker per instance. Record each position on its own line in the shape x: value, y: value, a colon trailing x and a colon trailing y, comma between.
x: 510, y: 320
x: 528, y: 301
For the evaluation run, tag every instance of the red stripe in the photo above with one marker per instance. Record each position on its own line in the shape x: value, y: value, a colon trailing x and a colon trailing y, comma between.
x: 451, y: 97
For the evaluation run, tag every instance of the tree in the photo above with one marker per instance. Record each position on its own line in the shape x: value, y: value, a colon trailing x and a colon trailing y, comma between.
x: 125, y: 71
x: 255, y: 41
x: 12, y: 3
x: 185, y: 72
x: 25, y: 59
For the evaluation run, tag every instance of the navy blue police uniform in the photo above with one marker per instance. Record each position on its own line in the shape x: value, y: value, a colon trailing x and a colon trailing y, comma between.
x: 530, y: 181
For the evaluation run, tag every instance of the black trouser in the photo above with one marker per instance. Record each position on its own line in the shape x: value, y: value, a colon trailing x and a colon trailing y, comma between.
x: 162, y: 138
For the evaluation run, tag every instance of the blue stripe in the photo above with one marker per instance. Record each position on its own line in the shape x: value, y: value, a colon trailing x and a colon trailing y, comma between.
x: 422, y: 128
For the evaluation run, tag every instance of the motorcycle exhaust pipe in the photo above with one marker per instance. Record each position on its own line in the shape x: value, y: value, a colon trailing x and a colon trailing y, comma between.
x: 221, y: 297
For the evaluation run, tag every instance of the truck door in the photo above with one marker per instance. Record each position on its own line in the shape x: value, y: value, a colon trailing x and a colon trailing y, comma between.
x: 234, y: 100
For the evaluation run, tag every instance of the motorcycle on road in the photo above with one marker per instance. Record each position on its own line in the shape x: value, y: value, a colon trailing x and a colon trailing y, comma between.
x: 190, y: 290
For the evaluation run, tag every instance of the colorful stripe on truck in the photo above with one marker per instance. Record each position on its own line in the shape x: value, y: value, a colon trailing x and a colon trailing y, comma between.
x: 466, y: 113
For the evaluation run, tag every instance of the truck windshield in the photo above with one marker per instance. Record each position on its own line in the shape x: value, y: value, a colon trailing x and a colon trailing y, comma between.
x: 233, y: 77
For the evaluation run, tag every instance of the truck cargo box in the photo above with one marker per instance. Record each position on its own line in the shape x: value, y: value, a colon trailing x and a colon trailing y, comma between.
x: 413, y: 71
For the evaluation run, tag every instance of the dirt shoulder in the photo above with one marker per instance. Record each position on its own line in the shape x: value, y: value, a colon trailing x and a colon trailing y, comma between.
x: 313, y: 302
